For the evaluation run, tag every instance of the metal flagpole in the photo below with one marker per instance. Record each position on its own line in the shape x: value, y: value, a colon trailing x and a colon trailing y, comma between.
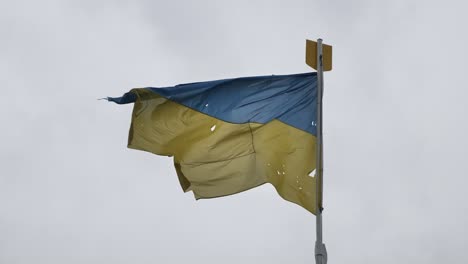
x: 320, y: 250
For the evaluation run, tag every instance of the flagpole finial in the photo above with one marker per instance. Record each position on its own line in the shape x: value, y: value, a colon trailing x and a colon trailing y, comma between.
x: 311, y: 55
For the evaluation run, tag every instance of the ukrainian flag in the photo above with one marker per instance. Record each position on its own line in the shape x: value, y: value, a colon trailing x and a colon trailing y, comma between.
x: 228, y: 136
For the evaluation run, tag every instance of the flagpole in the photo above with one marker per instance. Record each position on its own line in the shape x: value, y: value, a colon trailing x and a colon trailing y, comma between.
x: 320, y: 250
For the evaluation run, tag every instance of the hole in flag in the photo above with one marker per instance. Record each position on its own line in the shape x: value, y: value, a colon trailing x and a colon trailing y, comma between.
x: 312, y: 174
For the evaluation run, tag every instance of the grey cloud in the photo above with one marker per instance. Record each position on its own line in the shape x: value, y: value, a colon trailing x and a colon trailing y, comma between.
x: 70, y: 192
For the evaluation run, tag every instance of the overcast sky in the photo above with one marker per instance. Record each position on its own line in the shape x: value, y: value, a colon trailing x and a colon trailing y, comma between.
x: 395, y: 131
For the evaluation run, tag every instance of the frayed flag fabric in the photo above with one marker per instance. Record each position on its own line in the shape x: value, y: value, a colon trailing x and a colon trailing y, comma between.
x: 228, y: 136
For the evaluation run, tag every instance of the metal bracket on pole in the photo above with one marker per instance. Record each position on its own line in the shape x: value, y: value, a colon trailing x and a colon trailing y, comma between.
x: 321, y: 256
x: 318, y: 56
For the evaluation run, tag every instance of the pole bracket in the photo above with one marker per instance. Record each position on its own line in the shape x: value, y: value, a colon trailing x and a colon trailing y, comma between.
x: 321, y: 256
